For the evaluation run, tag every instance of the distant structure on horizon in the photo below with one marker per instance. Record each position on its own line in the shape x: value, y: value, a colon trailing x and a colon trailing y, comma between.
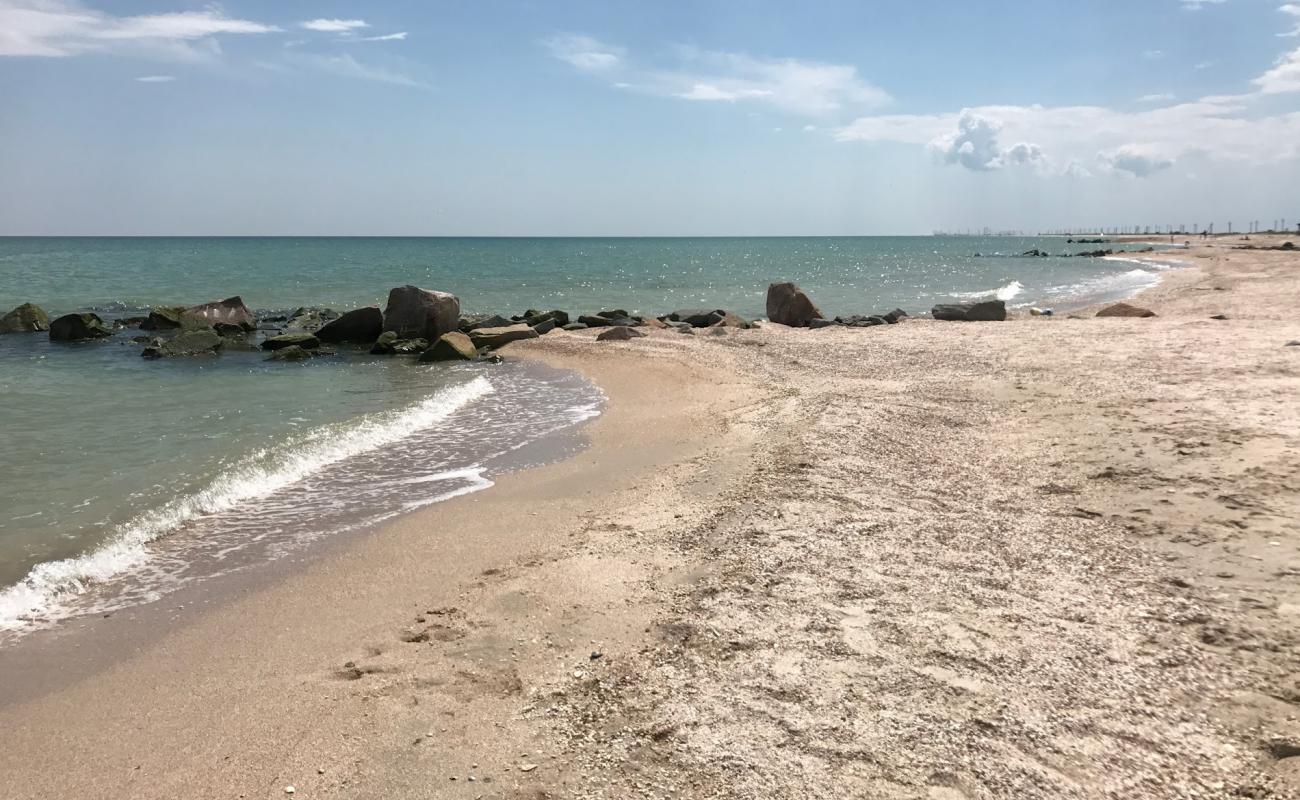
x: 1279, y: 225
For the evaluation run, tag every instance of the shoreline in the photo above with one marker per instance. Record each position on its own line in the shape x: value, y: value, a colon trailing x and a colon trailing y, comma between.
x: 776, y: 540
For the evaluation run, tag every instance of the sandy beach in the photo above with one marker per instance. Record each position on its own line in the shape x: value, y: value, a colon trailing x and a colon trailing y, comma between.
x: 1048, y: 557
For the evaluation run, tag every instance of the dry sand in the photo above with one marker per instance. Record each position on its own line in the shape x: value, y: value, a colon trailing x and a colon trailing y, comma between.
x: 1051, y: 557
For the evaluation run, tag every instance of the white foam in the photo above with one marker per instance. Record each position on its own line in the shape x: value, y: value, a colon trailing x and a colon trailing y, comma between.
x: 1004, y: 293
x: 50, y: 586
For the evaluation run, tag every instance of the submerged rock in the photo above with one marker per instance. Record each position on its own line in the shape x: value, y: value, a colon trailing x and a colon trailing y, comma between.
x: 163, y: 318
x: 312, y: 319
x: 230, y: 311
x: 982, y: 311
x: 384, y: 344
x: 26, y: 318
x: 1125, y: 310
x: 76, y: 327
x: 306, y: 341
x: 451, y: 346
x: 496, y: 337
x: 290, y: 353
x: 620, y: 334
x: 789, y: 305
x: 195, y: 342
x: 413, y: 312
x: 359, y: 326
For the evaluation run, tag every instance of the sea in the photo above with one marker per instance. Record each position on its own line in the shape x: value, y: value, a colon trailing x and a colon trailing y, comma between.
x: 123, y: 479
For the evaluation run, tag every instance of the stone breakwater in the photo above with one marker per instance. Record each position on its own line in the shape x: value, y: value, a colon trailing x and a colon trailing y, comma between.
x: 428, y: 324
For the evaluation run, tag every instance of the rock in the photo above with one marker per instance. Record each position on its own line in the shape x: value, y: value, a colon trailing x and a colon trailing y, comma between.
x: 535, y: 318
x: 686, y: 329
x: 894, y: 316
x: 678, y: 325
x: 982, y: 311
x: 26, y: 318
x: 788, y: 305
x: 817, y: 322
x: 360, y: 326
x: 619, y: 333
x: 575, y: 326
x: 451, y: 346
x: 413, y: 312
x: 291, y: 353
x: 230, y: 311
x: 163, y: 318
x: 543, y: 327
x: 497, y: 337
x: 494, y: 321
x: 1219, y: 316
x: 594, y: 320
x: 697, y: 317
x: 75, y: 327
x: 312, y: 319
x: 1287, y: 246
x: 407, y: 347
x: 859, y: 321
x: 130, y: 322
x: 1125, y: 310
x: 1292, y: 343
x: 730, y: 320
x: 617, y: 313
x: 195, y: 342
x: 306, y: 341
x: 384, y: 344
x: 601, y: 320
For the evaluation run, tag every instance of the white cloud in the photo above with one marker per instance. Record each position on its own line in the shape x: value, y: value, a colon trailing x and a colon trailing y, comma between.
x: 1204, y: 65
x: 1197, y: 5
x: 790, y: 85
x: 60, y: 28
x: 585, y: 53
x: 1292, y: 9
x: 1156, y: 98
x: 1153, y: 54
x: 156, y: 78
x: 1283, y: 77
x: 974, y: 145
x: 1134, y: 160
x: 334, y: 25
x: 390, y: 37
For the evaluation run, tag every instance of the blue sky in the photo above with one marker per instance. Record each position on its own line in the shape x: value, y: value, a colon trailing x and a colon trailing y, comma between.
x: 630, y: 118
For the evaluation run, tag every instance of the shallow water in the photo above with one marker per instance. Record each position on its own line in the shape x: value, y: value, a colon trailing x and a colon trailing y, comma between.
x: 121, y: 478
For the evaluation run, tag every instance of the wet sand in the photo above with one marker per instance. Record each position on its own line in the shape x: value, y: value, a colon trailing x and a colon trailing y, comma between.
x: 1052, y: 557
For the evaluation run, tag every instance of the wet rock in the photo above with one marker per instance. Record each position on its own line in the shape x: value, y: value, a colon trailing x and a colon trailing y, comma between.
x: 543, y: 327
x: 451, y: 346
x: 197, y: 342
x: 1125, y: 310
x: 230, y: 311
x: 26, y: 318
x: 616, y: 313
x: 163, y: 318
x: 494, y: 321
x: 306, y: 341
x: 227, y: 329
x: 575, y: 326
x: 536, y: 318
x: 383, y: 345
x: 789, y: 305
x: 413, y: 312
x: 602, y: 321
x: 407, y: 347
x: 359, y: 326
x: 311, y: 319
x: 497, y: 337
x: 982, y: 311
x: 817, y: 322
x: 620, y: 333
x: 894, y: 316
x: 76, y: 327
x: 697, y: 317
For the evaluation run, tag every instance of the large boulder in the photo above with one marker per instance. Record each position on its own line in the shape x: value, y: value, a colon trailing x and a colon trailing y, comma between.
x: 75, y: 327
x: 788, y: 305
x: 451, y: 346
x: 1125, y: 310
x: 163, y: 318
x: 306, y: 341
x: 360, y: 326
x: 230, y: 311
x: 196, y: 342
x: 413, y: 312
x: 26, y: 318
x: 619, y: 333
x: 982, y: 311
x: 496, y: 337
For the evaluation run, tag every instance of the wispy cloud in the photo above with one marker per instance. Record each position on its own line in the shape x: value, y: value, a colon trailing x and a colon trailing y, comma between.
x: 1163, y: 97
x: 346, y: 66
x: 1283, y: 77
x: 1293, y: 10
x: 334, y: 25
x: 62, y: 28
x: 1197, y: 5
x: 389, y: 37
x: 156, y: 78
x: 790, y: 85
x: 1153, y: 55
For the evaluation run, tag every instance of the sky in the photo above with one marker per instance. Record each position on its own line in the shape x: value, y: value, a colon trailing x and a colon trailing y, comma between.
x: 558, y: 117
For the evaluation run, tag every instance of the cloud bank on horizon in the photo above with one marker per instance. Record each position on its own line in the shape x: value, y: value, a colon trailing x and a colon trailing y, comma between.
x: 823, y: 93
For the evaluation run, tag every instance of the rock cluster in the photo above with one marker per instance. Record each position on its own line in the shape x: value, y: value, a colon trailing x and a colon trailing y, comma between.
x: 26, y: 318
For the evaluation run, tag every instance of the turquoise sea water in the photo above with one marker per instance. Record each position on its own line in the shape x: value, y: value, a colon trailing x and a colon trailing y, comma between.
x: 121, y: 477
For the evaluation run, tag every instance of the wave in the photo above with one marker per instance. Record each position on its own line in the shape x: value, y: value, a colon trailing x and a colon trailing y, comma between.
x: 1004, y: 293
x: 54, y: 584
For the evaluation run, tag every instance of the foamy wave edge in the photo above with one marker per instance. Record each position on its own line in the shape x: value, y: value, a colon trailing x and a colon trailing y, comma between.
x: 50, y: 586
x: 1004, y: 293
